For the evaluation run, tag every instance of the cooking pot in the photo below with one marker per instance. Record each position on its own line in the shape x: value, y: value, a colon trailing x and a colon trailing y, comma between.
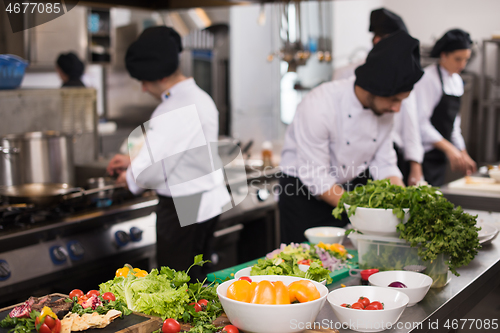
x: 36, y: 157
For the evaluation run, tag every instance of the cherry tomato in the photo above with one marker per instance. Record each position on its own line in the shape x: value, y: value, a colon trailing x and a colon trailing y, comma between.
x: 108, y: 296
x: 49, y: 321
x: 304, y: 262
x: 76, y: 293
x: 245, y: 278
x: 345, y: 305
x: 92, y: 293
x: 358, y: 306
x: 203, y: 303
x: 230, y: 329
x: 372, y: 307
x: 378, y: 305
x: 171, y: 325
x: 364, y: 301
x: 197, y: 307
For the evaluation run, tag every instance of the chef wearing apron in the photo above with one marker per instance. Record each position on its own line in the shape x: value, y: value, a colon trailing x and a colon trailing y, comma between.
x: 153, y: 59
x: 341, y: 134
x: 406, y: 134
x: 438, y: 103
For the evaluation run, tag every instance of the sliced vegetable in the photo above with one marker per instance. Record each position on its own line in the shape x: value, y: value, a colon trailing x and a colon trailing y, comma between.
x: 303, y: 291
x: 47, y: 322
x: 397, y: 284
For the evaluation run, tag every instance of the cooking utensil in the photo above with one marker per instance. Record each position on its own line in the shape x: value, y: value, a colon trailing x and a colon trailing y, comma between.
x: 36, y: 157
x: 37, y: 193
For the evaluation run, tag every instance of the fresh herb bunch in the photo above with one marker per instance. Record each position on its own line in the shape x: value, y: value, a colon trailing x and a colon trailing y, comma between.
x: 20, y: 325
x: 382, y: 194
x: 436, y: 226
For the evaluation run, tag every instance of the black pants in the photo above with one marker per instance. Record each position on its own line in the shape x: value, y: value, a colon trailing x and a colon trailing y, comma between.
x: 177, y: 246
x: 403, y: 165
x: 434, y: 167
x: 300, y: 210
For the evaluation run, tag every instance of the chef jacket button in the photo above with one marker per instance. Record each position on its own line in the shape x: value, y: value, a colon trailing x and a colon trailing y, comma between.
x: 374, y: 140
x: 343, y: 167
x: 366, y: 162
x: 349, y: 116
x: 347, y: 142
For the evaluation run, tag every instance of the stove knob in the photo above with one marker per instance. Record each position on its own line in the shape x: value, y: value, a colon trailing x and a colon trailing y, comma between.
x: 121, y: 238
x: 58, y: 255
x: 135, y: 234
x: 4, y: 270
x: 262, y: 194
x: 75, y: 250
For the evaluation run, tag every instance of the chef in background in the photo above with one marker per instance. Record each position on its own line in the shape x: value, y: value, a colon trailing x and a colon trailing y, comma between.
x: 153, y: 59
x: 406, y: 134
x: 341, y: 135
x: 438, y: 102
x: 70, y: 69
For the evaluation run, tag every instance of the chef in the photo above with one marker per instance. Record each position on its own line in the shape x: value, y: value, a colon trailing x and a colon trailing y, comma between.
x: 153, y: 59
x: 438, y: 102
x: 70, y: 69
x: 341, y: 133
x: 406, y: 134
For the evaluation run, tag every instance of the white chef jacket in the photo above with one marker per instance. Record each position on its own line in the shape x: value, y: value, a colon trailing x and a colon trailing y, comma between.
x: 406, y: 133
x: 183, y: 95
x: 333, y: 138
x: 428, y: 93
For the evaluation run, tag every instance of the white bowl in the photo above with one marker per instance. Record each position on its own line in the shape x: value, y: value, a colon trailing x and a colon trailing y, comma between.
x: 418, y: 284
x: 376, y: 221
x: 495, y: 174
x: 368, y: 320
x: 246, y: 272
x: 263, y: 318
x: 327, y: 235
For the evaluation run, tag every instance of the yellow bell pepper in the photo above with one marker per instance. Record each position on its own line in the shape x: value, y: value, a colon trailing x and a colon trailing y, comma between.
x: 303, y: 291
x: 122, y: 272
x: 333, y: 247
x: 241, y: 290
x: 125, y: 270
x: 46, y: 311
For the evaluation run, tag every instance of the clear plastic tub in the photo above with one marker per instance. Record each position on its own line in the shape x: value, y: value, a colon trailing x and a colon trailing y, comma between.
x: 11, y: 71
x: 389, y: 254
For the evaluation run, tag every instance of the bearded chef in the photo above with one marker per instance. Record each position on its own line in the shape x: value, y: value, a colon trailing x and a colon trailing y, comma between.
x: 406, y: 134
x: 341, y: 135
x: 191, y: 117
x: 438, y: 103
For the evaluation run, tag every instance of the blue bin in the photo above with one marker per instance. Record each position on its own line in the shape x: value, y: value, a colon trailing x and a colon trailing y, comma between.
x: 11, y: 71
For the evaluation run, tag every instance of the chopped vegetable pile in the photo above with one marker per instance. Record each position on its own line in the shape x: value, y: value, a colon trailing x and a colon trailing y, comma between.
x: 435, y: 226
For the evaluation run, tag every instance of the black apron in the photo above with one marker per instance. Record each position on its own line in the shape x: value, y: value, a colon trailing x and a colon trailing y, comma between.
x: 403, y: 165
x: 300, y: 210
x: 443, y: 117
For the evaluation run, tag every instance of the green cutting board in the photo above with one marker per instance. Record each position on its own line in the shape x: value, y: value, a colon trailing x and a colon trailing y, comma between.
x: 229, y: 272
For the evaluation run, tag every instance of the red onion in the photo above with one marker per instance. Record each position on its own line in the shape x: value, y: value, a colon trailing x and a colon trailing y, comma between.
x: 397, y: 284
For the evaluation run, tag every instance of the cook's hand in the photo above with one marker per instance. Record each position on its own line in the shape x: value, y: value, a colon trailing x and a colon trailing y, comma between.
x: 456, y: 159
x: 122, y: 179
x: 416, y: 174
x: 118, y: 164
x: 470, y: 165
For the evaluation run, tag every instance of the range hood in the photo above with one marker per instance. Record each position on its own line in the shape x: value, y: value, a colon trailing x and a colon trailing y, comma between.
x: 171, y: 4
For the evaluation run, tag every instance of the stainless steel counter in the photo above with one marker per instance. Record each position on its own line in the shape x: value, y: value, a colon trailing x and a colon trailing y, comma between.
x: 441, y: 306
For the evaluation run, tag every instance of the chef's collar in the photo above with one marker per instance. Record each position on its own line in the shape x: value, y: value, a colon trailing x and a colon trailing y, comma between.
x: 177, y: 88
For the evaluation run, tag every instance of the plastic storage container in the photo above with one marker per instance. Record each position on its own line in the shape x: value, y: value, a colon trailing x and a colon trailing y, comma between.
x: 11, y: 71
x: 389, y: 253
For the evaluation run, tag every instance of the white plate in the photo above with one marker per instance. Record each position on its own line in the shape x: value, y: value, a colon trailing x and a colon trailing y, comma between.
x: 246, y: 272
x: 487, y: 233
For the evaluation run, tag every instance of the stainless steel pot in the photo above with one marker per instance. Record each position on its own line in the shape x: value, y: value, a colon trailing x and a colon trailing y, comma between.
x: 36, y: 157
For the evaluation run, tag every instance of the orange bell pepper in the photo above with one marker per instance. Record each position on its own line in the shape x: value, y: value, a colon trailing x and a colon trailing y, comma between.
x: 282, y: 294
x: 303, y: 291
x: 264, y: 292
x: 241, y: 290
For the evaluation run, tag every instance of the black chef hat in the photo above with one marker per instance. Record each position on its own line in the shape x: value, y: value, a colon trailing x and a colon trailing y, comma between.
x: 455, y: 39
x: 71, y: 65
x: 392, y: 66
x: 383, y: 22
x: 154, y: 55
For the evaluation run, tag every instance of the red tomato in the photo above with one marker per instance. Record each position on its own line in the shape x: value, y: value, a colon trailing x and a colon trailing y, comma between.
x: 378, y: 305
x: 108, y: 296
x: 230, y: 329
x: 245, y: 278
x: 76, y: 293
x: 358, y: 306
x: 92, y: 293
x: 345, y: 305
x: 197, y: 307
x: 49, y: 321
x: 171, y: 325
x: 364, y: 301
x: 203, y: 303
x: 372, y: 307
x: 304, y: 262
x: 44, y: 329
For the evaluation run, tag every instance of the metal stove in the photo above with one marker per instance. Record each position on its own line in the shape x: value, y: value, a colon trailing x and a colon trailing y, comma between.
x: 57, y: 249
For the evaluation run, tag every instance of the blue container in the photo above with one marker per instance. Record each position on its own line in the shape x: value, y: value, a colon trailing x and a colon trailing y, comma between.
x: 11, y: 71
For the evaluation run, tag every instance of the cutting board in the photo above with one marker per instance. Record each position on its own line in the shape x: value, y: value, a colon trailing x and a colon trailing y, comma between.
x: 229, y: 272
x: 477, y: 184
x: 133, y: 323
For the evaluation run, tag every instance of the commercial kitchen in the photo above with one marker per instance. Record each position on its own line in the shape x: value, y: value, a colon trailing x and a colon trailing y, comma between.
x: 70, y: 218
